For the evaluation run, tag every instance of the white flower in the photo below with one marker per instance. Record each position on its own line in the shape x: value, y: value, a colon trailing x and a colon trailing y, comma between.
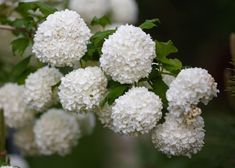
x: 176, y: 138
x: 16, y: 113
x: 18, y: 161
x: 8, y: 167
x: 128, y: 54
x: 62, y: 39
x: 191, y: 86
x: 82, y: 89
x: 38, y: 93
x: 136, y: 112
x: 88, y: 9
x: 56, y: 132
x: 168, y: 79
x: 124, y: 11
x: 24, y: 139
x: 104, y: 115
x: 86, y: 122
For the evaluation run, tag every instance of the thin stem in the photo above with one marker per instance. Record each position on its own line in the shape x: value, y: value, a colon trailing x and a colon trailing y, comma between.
x: 166, y: 73
x: 2, y: 138
x: 9, y: 28
x: 232, y: 45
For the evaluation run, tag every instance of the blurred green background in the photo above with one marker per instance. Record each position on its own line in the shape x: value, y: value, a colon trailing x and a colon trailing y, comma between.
x: 200, y: 29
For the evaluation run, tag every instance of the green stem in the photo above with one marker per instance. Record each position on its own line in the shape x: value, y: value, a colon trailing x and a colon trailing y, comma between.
x: 2, y: 139
x: 166, y: 73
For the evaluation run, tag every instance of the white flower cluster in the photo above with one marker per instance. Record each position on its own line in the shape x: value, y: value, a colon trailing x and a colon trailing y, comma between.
x: 88, y: 9
x: 82, y: 89
x: 8, y: 167
x: 124, y: 11
x: 38, y: 93
x: 177, y: 138
x: 191, y: 86
x: 16, y: 112
x: 62, y: 39
x: 24, y: 139
x: 183, y: 133
x: 86, y: 122
x: 127, y: 55
x: 136, y: 112
x: 56, y: 132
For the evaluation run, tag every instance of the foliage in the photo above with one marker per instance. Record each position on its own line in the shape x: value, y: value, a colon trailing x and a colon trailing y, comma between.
x: 149, y: 24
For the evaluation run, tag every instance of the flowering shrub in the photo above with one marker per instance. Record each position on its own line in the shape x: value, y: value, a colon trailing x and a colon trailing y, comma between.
x: 121, y: 75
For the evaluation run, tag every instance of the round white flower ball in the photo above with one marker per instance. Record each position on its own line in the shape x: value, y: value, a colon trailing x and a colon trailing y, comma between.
x: 127, y: 55
x: 86, y: 122
x: 175, y: 138
x: 88, y: 9
x: 104, y: 115
x: 136, y: 112
x: 39, y: 93
x: 24, y: 139
x: 18, y: 161
x: 16, y: 112
x: 82, y: 89
x: 56, y: 132
x: 191, y: 86
x: 62, y: 39
x: 124, y: 11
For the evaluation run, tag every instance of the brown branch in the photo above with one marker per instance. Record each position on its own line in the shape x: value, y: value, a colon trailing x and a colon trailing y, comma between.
x: 13, y: 29
x: 5, y: 27
x: 232, y: 45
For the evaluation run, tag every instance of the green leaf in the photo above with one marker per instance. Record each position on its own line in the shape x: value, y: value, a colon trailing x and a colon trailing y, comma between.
x: 26, y: 8
x: 103, y: 21
x: 99, y: 37
x: 160, y: 88
x: 20, y: 68
x: 26, y: 22
x: 115, y: 92
x: 19, y: 45
x: 172, y: 65
x: 96, y: 43
x: 163, y: 49
x: 115, y: 89
x: 149, y: 24
x: 46, y: 9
